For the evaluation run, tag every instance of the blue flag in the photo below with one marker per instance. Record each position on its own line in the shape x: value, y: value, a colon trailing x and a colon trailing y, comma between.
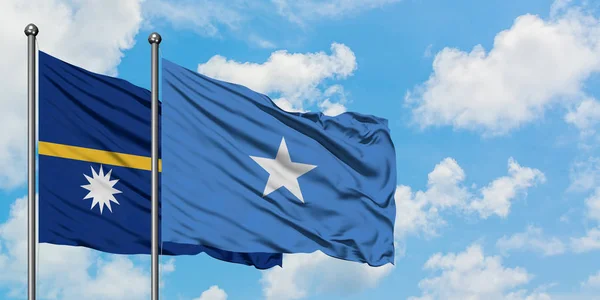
x: 240, y: 174
x: 94, y: 166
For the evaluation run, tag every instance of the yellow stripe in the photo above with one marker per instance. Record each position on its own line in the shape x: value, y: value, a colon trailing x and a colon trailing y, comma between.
x: 97, y: 156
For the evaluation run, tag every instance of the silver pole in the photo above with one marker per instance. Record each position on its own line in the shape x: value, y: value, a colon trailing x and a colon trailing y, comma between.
x: 154, y: 39
x: 31, y: 32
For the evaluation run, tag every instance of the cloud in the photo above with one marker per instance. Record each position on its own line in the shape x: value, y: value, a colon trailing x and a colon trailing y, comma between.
x: 585, y: 175
x: 497, y: 195
x: 213, y: 18
x: 261, y: 42
x: 559, y: 6
x: 213, y: 293
x: 117, y: 278
x: 295, y: 77
x: 532, y: 239
x: 202, y: 16
x: 332, y: 109
x: 472, y: 275
x: 84, y: 274
x: 427, y: 53
x: 536, y: 295
x: 301, y: 11
x: 592, y: 204
x: 589, y: 242
x: 305, y: 274
x: 585, y: 117
x: 532, y: 66
x: 593, y: 282
x: 419, y: 212
x: 68, y: 30
x: 286, y: 105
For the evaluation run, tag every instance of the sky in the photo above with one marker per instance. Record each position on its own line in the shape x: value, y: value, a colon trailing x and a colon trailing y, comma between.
x: 493, y: 108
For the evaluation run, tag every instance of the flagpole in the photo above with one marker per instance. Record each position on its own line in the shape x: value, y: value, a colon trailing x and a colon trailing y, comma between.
x: 154, y: 39
x: 31, y: 32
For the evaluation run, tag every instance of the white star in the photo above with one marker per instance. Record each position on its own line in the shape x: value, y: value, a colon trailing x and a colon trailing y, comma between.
x: 283, y: 172
x: 101, y: 189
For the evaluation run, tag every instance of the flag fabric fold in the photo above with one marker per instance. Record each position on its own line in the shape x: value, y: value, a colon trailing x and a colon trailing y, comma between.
x: 94, y: 166
x: 241, y: 174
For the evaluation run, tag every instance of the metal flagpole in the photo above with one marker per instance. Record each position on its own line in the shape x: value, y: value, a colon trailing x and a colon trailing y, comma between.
x: 31, y: 32
x: 154, y: 39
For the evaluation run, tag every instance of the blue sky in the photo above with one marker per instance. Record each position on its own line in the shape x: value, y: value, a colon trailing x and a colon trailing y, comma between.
x: 493, y: 111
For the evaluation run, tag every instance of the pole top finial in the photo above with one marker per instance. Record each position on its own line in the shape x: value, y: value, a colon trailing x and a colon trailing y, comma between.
x: 154, y: 38
x: 31, y: 29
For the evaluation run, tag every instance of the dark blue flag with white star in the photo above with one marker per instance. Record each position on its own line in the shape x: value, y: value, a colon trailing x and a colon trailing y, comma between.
x: 94, y: 166
x: 240, y: 174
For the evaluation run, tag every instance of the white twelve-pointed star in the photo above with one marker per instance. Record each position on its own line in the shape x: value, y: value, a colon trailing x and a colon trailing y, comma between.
x: 101, y: 189
x: 283, y: 172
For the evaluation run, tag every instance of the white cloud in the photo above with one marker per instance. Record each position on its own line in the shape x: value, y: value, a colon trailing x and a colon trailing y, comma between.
x: 532, y: 65
x: 84, y: 274
x: 472, y: 275
x: 117, y: 278
x: 532, y: 239
x: 332, y: 109
x: 592, y: 204
x: 286, y: 105
x: 295, y: 77
x: 592, y: 282
x: 524, y: 295
x: 585, y: 117
x: 213, y: 293
x: 68, y: 30
x: 215, y: 18
x: 415, y: 214
x: 585, y: 175
x: 261, y: 42
x: 498, y: 194
x: 559, y: 6
x: 202, y: 16
x: 301, y: 11
x: 336, y: 107
x: 427, y: 53
x: 444, y: 189
x: 305, y: 274
x: 589, y: 242
x: 420, y: 211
